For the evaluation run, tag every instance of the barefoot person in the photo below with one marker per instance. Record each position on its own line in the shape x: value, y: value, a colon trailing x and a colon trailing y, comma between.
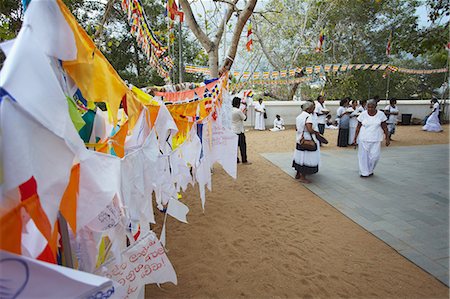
x: 369, y: 135
x: 306, y: 162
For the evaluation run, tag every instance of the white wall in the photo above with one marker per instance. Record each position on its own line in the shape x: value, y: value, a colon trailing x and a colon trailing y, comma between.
x: 290, y: 109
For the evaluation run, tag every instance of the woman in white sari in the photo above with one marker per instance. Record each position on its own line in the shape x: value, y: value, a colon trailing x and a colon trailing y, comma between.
x: 306, y: 162
x: 260, y: 109
x: 369, y: 135
x: 432, y: 124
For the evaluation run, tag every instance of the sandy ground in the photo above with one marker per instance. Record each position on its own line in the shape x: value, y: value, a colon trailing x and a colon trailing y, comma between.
x: 265, y: 235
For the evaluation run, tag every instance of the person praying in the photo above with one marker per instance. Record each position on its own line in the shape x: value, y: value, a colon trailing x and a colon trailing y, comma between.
x: 278, y: 124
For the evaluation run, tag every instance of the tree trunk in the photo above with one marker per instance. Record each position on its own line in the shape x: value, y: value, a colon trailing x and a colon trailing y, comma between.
x: 292, y: 91
x: 243, y: 17
x: 213, y: 62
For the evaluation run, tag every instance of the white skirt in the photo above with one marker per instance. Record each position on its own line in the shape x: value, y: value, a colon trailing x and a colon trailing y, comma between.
x: 432, y: 124
x: 307, y: 162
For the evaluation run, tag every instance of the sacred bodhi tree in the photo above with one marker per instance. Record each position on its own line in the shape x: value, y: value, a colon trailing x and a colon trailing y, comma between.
x: 211, y: 44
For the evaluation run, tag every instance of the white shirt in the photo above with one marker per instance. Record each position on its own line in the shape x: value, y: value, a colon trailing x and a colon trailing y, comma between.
x: 261, y: 107
x: 237, y: 121
x: 321, y: 119
x: 371, y: 130
x: 392, y: 119
x: 436, y: 108
x: 300, y: 123
x: 278, y: 123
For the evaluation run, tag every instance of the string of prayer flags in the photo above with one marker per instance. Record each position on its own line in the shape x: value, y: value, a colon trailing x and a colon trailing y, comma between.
x: 317, y: 69
x: 153, y: 49
x: 100, y: 173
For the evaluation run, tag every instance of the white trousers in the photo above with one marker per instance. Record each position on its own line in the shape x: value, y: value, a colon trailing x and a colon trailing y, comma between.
x: 259, y: 121
x: 368, y: 156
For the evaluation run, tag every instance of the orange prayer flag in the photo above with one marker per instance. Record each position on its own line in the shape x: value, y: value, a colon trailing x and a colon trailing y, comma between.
x: 118, y: 141
x: 11, y: 231
x: 92, y: 73
x: 68, y: 206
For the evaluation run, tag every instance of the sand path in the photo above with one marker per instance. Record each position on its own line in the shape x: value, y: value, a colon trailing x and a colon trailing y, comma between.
x: 266, y: 236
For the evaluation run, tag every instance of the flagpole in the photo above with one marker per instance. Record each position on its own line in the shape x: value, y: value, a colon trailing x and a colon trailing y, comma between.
x: 387, y: 89
x: 180, y: 54
x: 388, y: 54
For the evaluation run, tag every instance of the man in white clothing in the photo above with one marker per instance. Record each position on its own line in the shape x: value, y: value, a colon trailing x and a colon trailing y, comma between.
x: 391, y: 112
x: 260, y: 109
x: 237, y: 126
x: 321, y: 113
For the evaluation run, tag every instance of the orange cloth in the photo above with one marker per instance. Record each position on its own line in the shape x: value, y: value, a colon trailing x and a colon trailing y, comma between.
x: 94, y: 75
x: 68, y: 205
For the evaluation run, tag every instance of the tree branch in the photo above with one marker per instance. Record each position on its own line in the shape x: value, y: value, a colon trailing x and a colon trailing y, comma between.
x: 243, y: 17
x: 225, y: 20
x: 207, y: 44
x: 264, y: 49
x: 105, y: 17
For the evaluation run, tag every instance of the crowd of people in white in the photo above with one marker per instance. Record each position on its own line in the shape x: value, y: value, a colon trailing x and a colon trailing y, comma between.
x: 360, y: 124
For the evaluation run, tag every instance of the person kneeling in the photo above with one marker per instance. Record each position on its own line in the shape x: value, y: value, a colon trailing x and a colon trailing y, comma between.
x: 278, y: 124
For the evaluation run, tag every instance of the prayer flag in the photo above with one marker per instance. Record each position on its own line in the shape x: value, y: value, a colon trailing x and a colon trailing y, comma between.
x: 320, y: 42
x: 249, y: 37
x: 172, y: 10
x: 389, y: 44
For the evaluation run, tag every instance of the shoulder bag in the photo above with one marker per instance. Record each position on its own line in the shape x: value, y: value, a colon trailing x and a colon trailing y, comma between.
x: 306, y: 145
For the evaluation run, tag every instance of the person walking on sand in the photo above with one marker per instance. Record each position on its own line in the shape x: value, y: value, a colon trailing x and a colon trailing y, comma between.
x: 237, y: 125
x: 369, y: 135
x: 260, y: 109
x: 391, y: 112
x: 306, y: 161
x: 432, y: 124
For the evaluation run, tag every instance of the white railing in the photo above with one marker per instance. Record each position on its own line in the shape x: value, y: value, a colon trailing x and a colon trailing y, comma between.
x: 290, y: 109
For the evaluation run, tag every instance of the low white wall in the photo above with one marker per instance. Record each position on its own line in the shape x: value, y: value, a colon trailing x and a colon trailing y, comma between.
x: 289, y: 110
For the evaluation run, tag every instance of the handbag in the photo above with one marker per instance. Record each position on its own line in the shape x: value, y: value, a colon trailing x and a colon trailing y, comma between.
x: 306, y: 145
x: 265, y: 115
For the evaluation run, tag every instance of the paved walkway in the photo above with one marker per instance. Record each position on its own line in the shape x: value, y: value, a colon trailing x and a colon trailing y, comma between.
x: 405, y: 204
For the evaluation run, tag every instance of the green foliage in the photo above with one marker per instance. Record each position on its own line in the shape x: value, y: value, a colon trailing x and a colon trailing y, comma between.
x: 116, y: 42
x: 357, y: 31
